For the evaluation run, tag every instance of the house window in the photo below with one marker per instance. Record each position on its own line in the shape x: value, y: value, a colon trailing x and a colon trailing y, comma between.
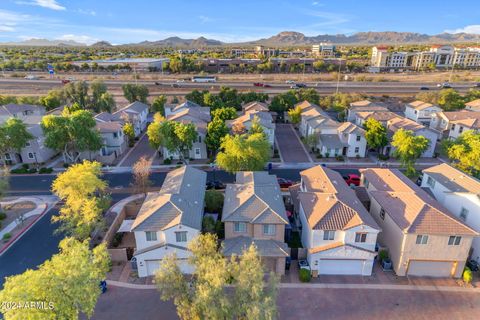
x: 359, y: 138
x: 151, y: 235
x: 199, y: 139
x: 31, y: 155
x: 240, y: 227
x: 463, y: 214
x: 181, y: 236
x: 7, y: 156
x: 453, y: 127
x: 422, y: 239
x: 328, y: 235
x: 360, y: 237
x: 454, y: 240
x: 197, y: 151
x: 115, y: 135
x: 431, y: 182
x: 269, y: 229
x: 357, y: 149
x: 382, y: 214
x: 460, y: 130
x: 27, y: 144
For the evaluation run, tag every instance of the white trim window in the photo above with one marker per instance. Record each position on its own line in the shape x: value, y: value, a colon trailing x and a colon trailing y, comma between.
x: 151, y: 235
x: 464, y: 214
x: 360, y: 237
x: 430, y: 182
x: 31, y: 155
x: 239, y: 227
x: 454, y: 240
x: 269, y: 229
x: 181, y: 236
x: 328, y: 234
x: 422, y: 239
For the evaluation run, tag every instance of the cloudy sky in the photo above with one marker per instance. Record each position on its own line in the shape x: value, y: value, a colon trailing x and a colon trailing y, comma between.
x: 126, y: 21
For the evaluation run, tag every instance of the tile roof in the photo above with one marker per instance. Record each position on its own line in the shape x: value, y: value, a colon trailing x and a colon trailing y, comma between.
x: 265, y: 118
x: 265, y: 247
x: 335, y: 245
x: 398, y: 123
x: 255, y: 105
x: 13, y: 108
x: 108, y: 127
x: 348, y: 127
x: 179, y: 201
x: 410, y: 207
x: 255, y: 197
x: 419, y: 105
x: 332, y: 141
x: 453, y: 179
x: 366, y: 105
x: 328, y: 203
x: 381, y: 116
x: 186, y: 105
x: 475, y: 104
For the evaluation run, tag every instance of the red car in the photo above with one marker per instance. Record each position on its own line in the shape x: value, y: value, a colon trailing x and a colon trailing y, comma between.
x: 352, y: 179
x: 284, y: 183
x: 258, y: 84
x: 65, y: 81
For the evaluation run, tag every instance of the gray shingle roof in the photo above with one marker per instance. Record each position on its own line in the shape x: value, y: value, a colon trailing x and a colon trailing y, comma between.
x: 265, y: 248
x: 179, y: 201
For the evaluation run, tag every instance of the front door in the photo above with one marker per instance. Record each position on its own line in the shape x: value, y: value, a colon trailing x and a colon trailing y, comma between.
x: 344, y: 152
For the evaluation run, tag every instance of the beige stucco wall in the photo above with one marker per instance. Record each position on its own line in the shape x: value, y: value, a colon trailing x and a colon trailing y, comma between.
x: 229, y: 233
x: 279, y: 232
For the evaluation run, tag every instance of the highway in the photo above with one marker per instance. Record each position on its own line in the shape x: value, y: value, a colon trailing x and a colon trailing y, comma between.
x: 12, y: 86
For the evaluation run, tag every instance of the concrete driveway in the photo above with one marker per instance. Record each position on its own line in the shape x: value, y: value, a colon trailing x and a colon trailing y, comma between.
x: 141, y: 149
x: 289, y: 145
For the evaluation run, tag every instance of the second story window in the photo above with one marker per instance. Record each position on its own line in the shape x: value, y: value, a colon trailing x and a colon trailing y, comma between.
x: 463, y: 214
x: 199, y: 139
x: 422, y: 239
x: 454, y: 240
x: 382, y: 214
x: 115, y: 135
x: 269, y: 229
x: 360, y: 237
x: 240, y: 227
x: 151, y: 235
x: 430, y: 182
x: 359, y: 138
x: 181, y: 236
x: 329, y: 235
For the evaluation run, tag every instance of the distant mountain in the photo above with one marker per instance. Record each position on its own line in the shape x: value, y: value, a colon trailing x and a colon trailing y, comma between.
x: 101, y: 44
x: 179, y: 42
x: 45, y: 43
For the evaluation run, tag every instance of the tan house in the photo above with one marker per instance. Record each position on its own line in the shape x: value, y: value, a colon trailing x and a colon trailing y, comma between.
x: 255, y: 106
x: 423, y: 238
x: 254, y: 212
x: 473, y: 105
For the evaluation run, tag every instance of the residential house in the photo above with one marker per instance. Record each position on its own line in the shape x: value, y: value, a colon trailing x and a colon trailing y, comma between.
x: 473, y: 105
x: 136, y: 113
x: 20, y: 111
x: 176, y: 108
x: 255, y: 106
x: 381, y: 116
x: 333, y: 138
x: 113, y: 139
x: 200, y: 117
x: 169, y: 219
x: 264, y: 119
x: 254, y: 212
x: 454, y: 123
x: 364, y: 105
x: 423, y: 238
x: 337, y: 230
x: 421, y: 112
x: 459, y: 193
x: 395, y: 124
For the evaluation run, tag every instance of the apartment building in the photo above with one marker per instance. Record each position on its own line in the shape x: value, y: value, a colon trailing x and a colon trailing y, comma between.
x: 323, y: 49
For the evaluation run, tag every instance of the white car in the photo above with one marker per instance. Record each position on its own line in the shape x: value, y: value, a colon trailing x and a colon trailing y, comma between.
x: 289, y: 81
x: 180, y: 81
x: 31, y: 77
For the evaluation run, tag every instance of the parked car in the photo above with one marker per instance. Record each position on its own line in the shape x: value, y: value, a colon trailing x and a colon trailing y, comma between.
x: 424, y: 88
x: 284, y: 183
x: 473, y: 265
x: 352, y: 178
x: 215, y: 185
x: 303, y: 264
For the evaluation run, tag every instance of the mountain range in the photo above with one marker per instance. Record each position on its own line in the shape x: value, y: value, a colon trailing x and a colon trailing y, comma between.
x: 283, y: 39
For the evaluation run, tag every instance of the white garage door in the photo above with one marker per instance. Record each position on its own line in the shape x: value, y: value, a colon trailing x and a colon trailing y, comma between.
x: 340, y: 266
x: 430, y: 268
x: 153, y: 265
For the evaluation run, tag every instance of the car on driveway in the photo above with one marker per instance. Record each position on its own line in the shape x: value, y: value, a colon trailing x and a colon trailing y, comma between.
x: 303, y: 264
x: 215, y: 185
x: 352, y: 179
x: 284, y: 183
x: 472, y: 265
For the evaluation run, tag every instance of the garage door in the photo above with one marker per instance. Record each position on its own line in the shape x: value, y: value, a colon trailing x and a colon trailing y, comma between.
x: 430, y: 268
x: 153, y: 265
x: 340, y: 266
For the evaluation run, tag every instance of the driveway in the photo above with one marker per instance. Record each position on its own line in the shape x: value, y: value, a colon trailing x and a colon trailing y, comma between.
x: 302, y: 303
x: 141, y: 149
x: 290, y: 147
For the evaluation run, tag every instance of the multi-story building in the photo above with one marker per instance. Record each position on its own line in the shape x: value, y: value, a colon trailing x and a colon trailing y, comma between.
x: 364, y: 106
x: 323, y: 49
x: 453, y: 123
x: 444, y: 55
x: 395, y: 124
x: 421, y: 112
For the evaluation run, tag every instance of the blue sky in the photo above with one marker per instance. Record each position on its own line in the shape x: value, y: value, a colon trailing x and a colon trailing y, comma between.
x: 126, y: 21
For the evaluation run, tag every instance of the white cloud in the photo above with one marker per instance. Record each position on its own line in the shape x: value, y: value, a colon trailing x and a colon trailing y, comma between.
x: 50, y: 4
x: 9, y: 19
x: 474, y: 28
x: 78, y: 38
x: 317, y: 4
x: 87, y: 12
x: 205, y: 19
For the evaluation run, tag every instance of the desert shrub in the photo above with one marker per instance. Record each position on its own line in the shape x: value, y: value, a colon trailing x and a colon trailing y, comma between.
x: 304, y: 275
x: 467, y: 275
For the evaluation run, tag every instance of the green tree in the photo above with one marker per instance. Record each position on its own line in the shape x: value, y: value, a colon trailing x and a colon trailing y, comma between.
x: 244, y: 153
x: 176, y: 137
x: 450, y: 100
x: 225, y: 113
x: 158, y: 104
x: 98, y: 89
x: 196, y: 97
x: 376, y: 134
x: 129, y: 131
x: 135, y: 92
x: 213, y: 201
x: 256, y: 126
x: 295, y: 115
x: 472, y: 94
x: 430, y: 96
x: 283, y: 101
x: 52, y: 100
x: 230, y: 97
x: 68, y: 283
x: 13, y: 136
x: 408, y: 148
x: 78, y: 187
x: 155, y: 131
x: 216, y: 131
x: 105, y: 103
x: 77, y: 92
x: 465, y: 152
x: 71, y: 133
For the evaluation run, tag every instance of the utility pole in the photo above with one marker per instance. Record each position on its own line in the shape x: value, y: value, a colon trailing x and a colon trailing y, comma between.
x: 338, y: 76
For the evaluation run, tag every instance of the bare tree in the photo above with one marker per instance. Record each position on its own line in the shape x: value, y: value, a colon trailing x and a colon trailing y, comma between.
x: 141, y: 172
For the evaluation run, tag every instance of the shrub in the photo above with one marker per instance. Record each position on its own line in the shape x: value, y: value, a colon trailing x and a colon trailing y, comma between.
x: 327, y: 155
x: 467, y: 275
x: 357, y: 156
x: 3, y: 215
x: 7, y: 236
x: 220, y: 229
x: 319, y: 156
x: 45, y: 170
x: 19, y: 171
x: 304, y: 275
x: 25, y: 166
x: 167, y: 161
x: 339, y: 158
x: 213, y: 201
x: 383, y: 254
x: 117, y: 239
x: 208, y: 224
x: 33, y: 170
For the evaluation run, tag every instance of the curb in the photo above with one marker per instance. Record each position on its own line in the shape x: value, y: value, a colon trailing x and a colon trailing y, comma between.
x: 23, y: 231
